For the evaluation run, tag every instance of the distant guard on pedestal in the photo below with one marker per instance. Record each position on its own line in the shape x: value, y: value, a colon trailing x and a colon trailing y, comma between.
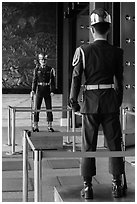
x: 43, y: 86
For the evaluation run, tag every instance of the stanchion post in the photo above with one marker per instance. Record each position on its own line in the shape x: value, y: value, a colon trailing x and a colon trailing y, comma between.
x: 82, y: 130
x: 73, y: 130
x: 124, y: 114
x: 124, y: 127
x: 36, y: 176
x: 40, y: 176
x: 68, y: 121
x: 25, y: 168
x: 68, y: 126
x: 13, y: 130
x: 9, y: 127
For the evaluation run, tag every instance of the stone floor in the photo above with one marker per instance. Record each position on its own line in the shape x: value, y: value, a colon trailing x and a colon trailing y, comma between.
x: 52, y: 177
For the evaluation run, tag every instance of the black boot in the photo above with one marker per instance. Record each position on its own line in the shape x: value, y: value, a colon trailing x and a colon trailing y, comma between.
x: 35, y: 130
x: 36, y: 127
x: 117, y: 187
x: 50, y: 129
x: 87, y: 191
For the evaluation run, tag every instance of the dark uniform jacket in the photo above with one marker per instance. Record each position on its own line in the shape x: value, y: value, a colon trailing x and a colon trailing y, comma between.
x: 43, y: 75
x: 101, y: 63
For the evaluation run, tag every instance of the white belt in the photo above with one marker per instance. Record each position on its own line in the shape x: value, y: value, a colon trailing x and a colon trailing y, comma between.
x: 43, y: 84
x: 99, y: 86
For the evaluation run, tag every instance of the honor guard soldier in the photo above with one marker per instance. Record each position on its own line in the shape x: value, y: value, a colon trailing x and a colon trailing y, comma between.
x: 43, y: 86
x: 100, y: 62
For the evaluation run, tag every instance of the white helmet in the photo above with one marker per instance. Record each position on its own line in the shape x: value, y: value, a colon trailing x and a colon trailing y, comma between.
x: 42, y: 56
x: 99, y: 16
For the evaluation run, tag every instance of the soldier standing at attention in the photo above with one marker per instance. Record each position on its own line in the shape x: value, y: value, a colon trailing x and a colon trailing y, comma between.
x: 43, y: 86
x: 102, y: 98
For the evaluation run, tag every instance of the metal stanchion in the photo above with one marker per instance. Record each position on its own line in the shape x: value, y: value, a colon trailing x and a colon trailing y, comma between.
x: 13, y: 130
x: 124, y: 128
x: 12, y: 133
x: 124, y: 147
x: 25, y: 168
x: 68, y: 128
x: 9, y: 127
x: 82, y: 129
x: 73, y: 130
x: 40, y: 176
x: 36, y: 176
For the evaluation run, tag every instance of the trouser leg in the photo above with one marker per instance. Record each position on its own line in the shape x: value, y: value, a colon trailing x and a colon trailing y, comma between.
x: 48, y: 104
x: 89, y: 134
x: 112, y: 131
x: 37, y: 106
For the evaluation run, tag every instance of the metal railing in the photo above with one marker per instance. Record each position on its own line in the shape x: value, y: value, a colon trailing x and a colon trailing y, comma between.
x: 12, y: 121
x: 39, y: 153
x: 125, y: 112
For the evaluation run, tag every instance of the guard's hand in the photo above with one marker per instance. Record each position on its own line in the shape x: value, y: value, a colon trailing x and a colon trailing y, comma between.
x: 52, y: 94
x: 32, y: 94
x: 74, y: 105
x: 78, y: 113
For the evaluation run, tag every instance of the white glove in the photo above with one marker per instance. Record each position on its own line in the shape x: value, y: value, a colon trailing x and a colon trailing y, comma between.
x: 78, y: 113
x: 52, y: 94
x: 32, y: 94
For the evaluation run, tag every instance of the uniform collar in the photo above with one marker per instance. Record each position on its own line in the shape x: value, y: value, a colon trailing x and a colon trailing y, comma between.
x: 100, y: 39
x: 42, y: 67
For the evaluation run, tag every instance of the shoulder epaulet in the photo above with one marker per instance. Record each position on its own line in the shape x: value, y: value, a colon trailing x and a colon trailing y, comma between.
x: 53, y: 71
x: 78, y: 54
x: 76, y: 57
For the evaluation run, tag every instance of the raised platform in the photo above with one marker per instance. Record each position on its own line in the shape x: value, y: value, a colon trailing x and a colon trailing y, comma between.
x: 102, y: 193
x: 50, y: 142
x: 70, y: 186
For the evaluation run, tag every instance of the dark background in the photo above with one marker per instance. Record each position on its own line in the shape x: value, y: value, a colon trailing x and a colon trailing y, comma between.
x: 27, y: 28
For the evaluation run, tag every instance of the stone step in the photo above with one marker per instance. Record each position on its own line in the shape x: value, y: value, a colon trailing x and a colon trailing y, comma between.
x: 102, y: 193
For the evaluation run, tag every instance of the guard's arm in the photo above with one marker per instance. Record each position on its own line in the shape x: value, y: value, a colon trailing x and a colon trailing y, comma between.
x: 76, y: 80
x: 119, y: 77
x: 52, y: 81
x: 35, y: 80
